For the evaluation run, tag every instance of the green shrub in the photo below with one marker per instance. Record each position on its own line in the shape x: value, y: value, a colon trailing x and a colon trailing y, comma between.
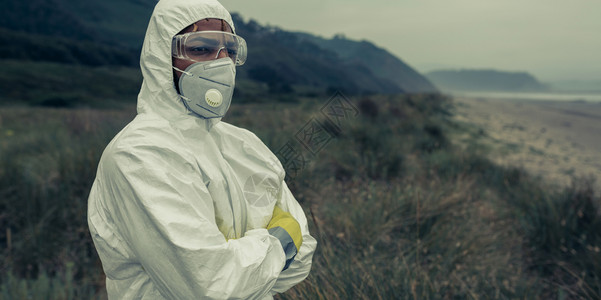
x: 48, y: 161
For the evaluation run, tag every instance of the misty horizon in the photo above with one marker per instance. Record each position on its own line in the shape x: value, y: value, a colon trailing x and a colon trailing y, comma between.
x: 552, y: 41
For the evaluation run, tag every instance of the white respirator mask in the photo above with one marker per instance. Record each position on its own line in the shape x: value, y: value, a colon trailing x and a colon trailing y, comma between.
x: 207, y: 87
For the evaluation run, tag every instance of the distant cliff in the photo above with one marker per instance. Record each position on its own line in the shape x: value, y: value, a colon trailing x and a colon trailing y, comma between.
x: 485, y: 80
x: 296, y: 58
x: 380, y: 62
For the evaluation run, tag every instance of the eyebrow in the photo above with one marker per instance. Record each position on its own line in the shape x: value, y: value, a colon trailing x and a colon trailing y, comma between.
x: 204, y: 39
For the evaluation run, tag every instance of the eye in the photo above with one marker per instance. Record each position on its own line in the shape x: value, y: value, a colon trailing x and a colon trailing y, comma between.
x: 199, y: 51
x: 232, y: 51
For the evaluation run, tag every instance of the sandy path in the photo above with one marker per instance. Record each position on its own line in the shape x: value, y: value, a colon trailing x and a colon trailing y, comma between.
x: 556, y: 140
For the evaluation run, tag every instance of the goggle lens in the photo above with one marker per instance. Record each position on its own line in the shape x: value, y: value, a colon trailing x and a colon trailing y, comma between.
x: 209, y: 45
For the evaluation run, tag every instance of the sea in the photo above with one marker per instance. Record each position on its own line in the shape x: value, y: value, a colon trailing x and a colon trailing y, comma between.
x: 565, y: 97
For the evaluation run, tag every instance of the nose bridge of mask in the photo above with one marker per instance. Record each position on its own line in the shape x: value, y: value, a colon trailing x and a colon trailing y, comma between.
x: 218, y: 63
x: 214, y: 76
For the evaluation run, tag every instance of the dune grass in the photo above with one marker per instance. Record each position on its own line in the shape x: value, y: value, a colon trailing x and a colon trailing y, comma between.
x: 399, y: 208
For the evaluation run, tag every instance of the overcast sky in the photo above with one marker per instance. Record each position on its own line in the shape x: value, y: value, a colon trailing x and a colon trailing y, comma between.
x: 552, y: 39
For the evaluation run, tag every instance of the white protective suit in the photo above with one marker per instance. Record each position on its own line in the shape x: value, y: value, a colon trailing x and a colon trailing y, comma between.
x: 179, y: 206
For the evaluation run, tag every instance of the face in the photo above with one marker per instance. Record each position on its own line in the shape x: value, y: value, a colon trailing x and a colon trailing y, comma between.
x: 202, y: 25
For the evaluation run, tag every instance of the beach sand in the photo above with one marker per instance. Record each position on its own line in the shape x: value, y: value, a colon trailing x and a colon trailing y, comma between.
x: 558, y: 141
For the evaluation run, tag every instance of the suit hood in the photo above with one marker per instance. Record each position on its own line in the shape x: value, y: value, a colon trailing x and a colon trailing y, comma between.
x: 158, y: 94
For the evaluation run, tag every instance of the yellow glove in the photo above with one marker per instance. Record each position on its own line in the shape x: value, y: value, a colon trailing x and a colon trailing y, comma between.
x: 284, y: 227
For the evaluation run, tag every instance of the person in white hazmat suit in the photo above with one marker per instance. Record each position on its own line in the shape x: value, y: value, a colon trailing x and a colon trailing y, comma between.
x: 185, y: 206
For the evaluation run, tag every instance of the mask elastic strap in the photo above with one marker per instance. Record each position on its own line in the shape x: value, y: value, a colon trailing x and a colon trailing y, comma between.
x: 187, y: 73
x: 185, y: 98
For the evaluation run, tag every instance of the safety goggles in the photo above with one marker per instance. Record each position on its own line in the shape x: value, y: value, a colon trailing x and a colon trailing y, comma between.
x: 209, y: 45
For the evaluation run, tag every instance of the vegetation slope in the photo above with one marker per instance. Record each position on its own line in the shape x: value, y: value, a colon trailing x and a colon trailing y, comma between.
x: 400, y: 209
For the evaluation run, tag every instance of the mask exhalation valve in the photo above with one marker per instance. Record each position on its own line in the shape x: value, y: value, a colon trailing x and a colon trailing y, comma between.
x: 213, y: 97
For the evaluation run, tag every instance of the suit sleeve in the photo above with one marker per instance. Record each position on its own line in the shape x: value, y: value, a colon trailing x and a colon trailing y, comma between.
x: 301, y: 266
x: 165, y: 213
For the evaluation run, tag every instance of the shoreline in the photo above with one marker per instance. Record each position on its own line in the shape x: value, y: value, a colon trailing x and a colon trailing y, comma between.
x: 556, y: 96
x: 556, y: 140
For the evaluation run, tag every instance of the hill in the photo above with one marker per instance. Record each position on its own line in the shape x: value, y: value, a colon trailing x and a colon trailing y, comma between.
x: 381, y: 62
x: 485, y: 80
x: 110, y: 33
